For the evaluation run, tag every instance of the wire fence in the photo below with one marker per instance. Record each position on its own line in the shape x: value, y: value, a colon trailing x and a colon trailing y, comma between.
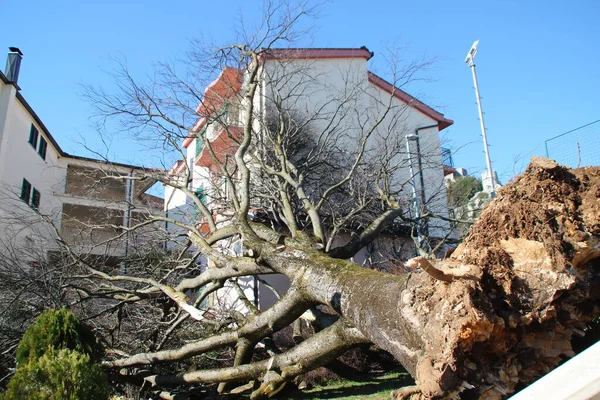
x: 579, y: 147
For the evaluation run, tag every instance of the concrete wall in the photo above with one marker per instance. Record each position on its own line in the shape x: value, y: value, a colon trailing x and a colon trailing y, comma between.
x: 92, y: 198
x: 93, y: 183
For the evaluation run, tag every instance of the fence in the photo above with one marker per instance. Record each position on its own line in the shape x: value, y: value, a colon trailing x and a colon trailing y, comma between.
x: 576, y: 148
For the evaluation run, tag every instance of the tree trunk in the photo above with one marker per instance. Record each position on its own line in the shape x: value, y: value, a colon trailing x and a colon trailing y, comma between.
x: 532, y: 283
x: 496, y: 315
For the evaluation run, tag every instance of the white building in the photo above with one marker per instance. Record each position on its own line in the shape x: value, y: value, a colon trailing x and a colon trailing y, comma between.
x: 45, y: 191
x: 325, y: 85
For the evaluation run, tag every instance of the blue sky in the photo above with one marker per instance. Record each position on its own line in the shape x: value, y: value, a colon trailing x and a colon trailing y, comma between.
x: 537, y: 64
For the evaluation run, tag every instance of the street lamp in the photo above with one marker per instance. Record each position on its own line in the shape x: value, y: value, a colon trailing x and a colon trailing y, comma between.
x: 470, y: 60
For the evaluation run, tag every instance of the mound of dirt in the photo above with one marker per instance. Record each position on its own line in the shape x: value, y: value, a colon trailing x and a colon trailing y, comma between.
x: 538, y: 246
x: 548, y: 203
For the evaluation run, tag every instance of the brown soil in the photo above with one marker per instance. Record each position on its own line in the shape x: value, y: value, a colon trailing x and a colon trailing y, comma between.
x: 538, y: 247
x: 535, y: 257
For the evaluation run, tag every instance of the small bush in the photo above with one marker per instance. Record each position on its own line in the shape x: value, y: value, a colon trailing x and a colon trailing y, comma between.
x: 59, y: 375
x: 57, y: 329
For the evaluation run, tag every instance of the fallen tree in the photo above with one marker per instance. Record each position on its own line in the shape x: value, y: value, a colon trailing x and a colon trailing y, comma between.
x: 496, y: 315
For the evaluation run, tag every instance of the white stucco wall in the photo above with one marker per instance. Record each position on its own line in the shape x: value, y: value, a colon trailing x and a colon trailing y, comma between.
x: 178, y: 205
x: 339, y: 90
x: 18, y: 159
x: 20, y: 225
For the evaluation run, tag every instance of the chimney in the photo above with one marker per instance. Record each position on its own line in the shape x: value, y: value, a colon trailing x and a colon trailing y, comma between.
x: 13, y: 64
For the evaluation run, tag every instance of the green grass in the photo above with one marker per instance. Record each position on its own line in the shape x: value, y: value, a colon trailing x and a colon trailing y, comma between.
x: 371, y: 388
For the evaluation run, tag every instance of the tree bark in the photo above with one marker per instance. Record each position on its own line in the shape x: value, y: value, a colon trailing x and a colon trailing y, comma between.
x: 531, y: 282
x: 495, y: 316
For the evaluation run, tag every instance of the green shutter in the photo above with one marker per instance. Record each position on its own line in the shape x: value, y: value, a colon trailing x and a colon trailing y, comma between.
x: 25, y: 191
x: 200, y: 193
x: 42, y: 148
x: 198, y: 146
x: 199, y: 141
x: 33, y: 136
x: 35, y: 199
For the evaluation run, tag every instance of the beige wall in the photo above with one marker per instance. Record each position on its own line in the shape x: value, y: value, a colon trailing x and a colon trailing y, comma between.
x: 93, y: 183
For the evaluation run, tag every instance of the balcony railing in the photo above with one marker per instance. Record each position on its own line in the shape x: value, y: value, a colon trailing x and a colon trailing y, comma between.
x: 447, y: 157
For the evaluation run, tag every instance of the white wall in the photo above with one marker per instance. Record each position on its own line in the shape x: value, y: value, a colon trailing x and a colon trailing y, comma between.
x: 177, y: 204
x: 20, y: 225
x: 339, y: 90
x: 18, y: 160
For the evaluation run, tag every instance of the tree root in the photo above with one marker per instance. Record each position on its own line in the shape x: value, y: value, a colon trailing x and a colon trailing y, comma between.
x: 456, y: 272
x: 405, y: 392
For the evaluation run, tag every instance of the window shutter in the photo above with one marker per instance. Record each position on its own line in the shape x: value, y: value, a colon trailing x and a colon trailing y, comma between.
x: 200, y: 194
x: 42, y: 148
x: 25, y: 190
x: 35, y: 198
x: 33, y: 136
x: 198, y: 146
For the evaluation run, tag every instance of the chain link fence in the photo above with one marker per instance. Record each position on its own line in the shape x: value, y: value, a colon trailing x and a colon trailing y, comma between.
x: 579, y: 147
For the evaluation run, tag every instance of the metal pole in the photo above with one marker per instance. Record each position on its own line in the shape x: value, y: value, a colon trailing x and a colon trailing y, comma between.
x: 485, y: 143
x: 412, y: 179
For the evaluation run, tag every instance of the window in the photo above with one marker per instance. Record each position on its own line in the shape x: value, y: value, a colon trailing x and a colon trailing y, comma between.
x: 42, y: 148
x: 201, y: 134
x: 25, y: 191
x: 200, y: 193
x: 35, y: 199
x: 198, y: 146
x: 33, y: 141
x: 29, y: 196
x: 33, y: 136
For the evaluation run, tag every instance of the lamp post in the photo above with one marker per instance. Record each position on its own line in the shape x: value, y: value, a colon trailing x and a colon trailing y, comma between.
x: 470, y: 60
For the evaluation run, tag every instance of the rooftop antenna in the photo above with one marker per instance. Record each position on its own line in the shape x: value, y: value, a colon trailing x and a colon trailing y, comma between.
x: 470, y: 60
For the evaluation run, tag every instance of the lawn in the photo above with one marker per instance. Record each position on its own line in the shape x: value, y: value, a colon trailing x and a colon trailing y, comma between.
x: 371, y: 388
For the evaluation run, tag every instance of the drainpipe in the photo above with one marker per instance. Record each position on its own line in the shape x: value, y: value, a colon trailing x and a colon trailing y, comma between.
x: 167, y: 204
x: 127, y: 218
x: 256, y: 293
x: 415, y: 199
x: 424, y: 226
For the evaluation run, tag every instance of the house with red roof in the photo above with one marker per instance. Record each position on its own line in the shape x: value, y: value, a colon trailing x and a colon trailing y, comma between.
x: 339, y: 97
